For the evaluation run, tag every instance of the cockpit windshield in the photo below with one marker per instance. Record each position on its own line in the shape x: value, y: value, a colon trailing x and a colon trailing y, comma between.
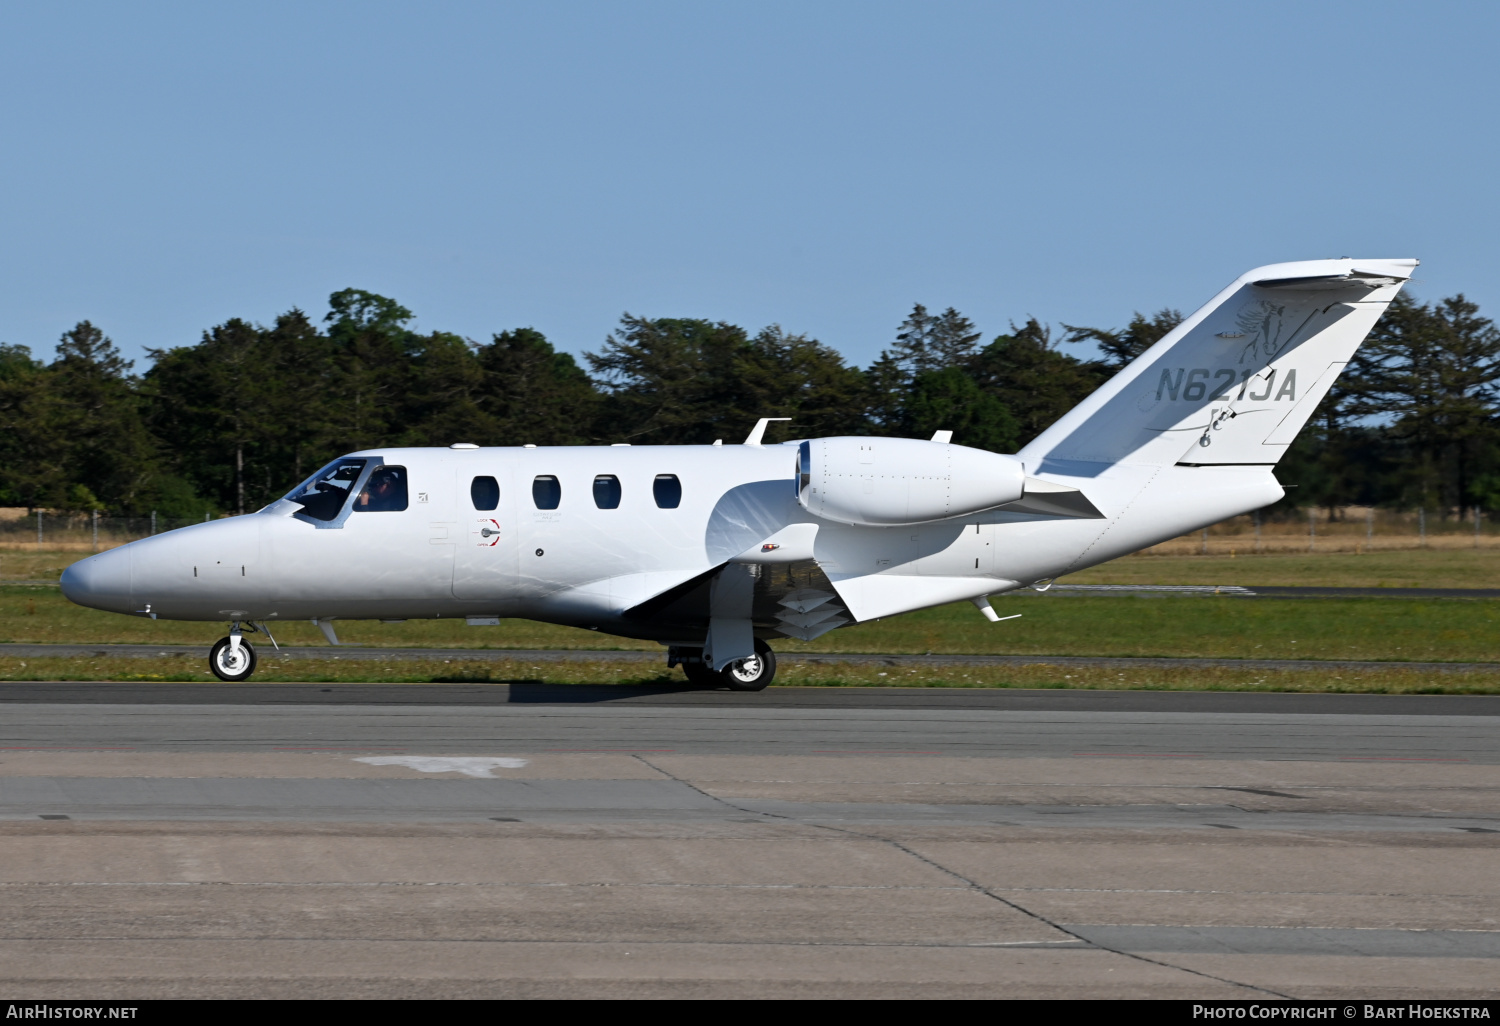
x: 324, y: 494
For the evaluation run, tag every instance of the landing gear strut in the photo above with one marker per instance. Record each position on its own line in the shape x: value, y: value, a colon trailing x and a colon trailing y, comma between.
x: 753, y: 673
x: 232, y: 659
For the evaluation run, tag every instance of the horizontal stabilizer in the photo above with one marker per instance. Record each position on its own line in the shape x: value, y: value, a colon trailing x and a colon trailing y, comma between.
x: 1323, y: 282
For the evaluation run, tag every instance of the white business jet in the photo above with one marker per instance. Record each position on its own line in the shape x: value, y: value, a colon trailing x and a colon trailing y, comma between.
x: 715, y: 550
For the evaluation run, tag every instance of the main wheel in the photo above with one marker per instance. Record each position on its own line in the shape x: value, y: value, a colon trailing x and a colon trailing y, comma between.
x: 224, y: 664
x: 752, y: 674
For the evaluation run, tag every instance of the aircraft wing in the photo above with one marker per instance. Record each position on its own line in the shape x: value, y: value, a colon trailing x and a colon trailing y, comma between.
x: 790, y: 600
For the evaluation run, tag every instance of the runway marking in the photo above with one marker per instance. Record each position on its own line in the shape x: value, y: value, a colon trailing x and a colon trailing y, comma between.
x: 469, y: 766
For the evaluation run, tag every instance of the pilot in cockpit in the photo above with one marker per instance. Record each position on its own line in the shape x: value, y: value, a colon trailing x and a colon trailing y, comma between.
x: 384, y: 492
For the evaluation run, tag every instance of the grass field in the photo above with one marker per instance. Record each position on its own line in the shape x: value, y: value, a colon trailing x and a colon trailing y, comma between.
x: 1395, y: 630
x: 1385, y: 629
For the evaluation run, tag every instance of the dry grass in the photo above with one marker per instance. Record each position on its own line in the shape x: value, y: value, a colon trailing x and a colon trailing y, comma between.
x: 1412, y: 568
x: 1350, y: 529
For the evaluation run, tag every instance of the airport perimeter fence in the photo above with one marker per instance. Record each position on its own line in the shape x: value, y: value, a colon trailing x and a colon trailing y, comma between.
x: 81, y: 532
x: 1343, y: 529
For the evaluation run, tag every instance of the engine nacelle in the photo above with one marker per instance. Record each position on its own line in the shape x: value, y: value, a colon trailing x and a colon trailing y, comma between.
x: 888, y: 481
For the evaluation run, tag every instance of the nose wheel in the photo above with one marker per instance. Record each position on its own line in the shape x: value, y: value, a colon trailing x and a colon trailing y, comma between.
x: 232, y: 662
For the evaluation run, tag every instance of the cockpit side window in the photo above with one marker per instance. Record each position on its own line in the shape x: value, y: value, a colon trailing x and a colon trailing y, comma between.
x: 485, y: 492
x: 546, y: 491
x: 323, y: 495
x: 384, y: 492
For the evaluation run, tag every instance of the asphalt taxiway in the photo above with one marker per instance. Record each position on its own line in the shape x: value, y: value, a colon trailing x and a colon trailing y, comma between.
x: 481, y: 840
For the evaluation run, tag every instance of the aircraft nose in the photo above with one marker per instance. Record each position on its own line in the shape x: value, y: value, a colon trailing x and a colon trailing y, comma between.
x: 100, y: 582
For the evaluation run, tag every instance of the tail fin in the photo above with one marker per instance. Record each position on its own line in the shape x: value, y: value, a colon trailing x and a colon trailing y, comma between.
x: 1236, y: 381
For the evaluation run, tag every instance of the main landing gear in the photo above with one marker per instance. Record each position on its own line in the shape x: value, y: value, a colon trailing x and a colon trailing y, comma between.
x: 232, y: 659
x: 753, y: 673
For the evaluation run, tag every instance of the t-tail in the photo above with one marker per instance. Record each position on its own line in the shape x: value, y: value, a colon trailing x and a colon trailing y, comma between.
x: 1234, y: 383
x: 1189, y: 432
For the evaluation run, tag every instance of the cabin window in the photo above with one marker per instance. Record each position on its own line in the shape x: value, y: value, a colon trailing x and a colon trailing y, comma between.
x: 324, y: 494
x: 607, y: 491
x: 485, y: 491
x: 667, y: 490
x: 546, y: 492
x: 384, y: 492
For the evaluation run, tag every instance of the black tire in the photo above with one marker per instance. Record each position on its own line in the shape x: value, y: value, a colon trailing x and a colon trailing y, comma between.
x: 752, y: 674
x: 218, y: 664
x: 699, y: 675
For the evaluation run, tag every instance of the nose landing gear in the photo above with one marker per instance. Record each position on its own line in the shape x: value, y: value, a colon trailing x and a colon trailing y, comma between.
x: 232, y: 659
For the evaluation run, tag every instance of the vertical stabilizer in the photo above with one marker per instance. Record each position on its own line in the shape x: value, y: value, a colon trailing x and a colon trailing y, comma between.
x: 1236, y: 381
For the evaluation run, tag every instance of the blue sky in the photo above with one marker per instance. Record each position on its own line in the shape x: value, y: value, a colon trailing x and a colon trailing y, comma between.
x: 821, y: 165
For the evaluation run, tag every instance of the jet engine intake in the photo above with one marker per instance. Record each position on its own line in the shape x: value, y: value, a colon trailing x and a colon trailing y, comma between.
x: 881, y: 482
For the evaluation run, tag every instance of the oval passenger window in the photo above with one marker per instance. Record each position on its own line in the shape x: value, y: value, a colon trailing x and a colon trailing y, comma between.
x: 485, y: 491
x: 607, y: 491
x: 668, y: 491
x: 546, y: 492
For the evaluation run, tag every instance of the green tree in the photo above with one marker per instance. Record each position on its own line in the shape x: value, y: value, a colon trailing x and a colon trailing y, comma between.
x: 1433, y: 372
x: 442, y: 403
x: 783, y: 375
x: 533, y: 394
x: 372, y: 349
x: 33, y: 451
x: 670, y: 380
x: 952, y: 400
x: 211, y: 400
x: 692, y: 381
x: 927, y: 343
x: 300, y: 401
x: 1035, y: 382
x: 924, y: 343
x: 99, y: 418
x: 1120, y: 347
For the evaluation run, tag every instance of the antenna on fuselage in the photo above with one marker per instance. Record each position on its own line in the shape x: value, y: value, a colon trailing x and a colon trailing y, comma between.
x: 759, y: 430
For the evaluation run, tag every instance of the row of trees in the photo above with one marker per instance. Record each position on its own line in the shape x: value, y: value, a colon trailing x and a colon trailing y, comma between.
x: 233, y: 421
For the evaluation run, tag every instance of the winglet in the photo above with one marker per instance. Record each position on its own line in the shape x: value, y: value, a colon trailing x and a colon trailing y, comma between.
x: 759, y: 430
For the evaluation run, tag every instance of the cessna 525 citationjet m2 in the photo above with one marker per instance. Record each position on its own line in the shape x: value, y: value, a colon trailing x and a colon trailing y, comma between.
x: 715, y: 550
